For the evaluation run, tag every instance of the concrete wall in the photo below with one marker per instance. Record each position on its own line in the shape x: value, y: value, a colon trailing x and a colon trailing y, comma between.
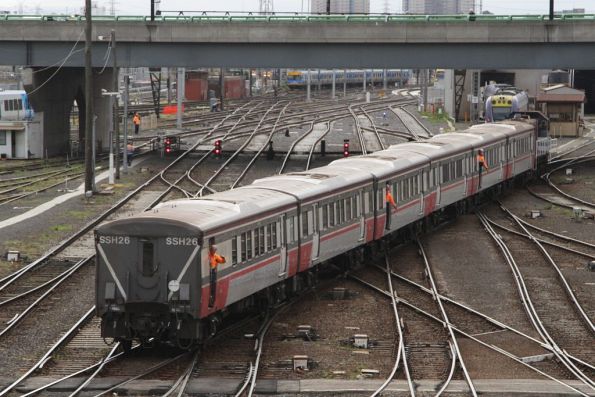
x: 53, y: 93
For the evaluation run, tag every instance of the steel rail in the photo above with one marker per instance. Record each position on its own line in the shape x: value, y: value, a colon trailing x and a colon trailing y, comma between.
x: 79, y: 372
x: 18, y: 181
x: 453, y: 366
x: 182, y: 381
x: 236, y: 153
x: 255, y: 157
x: 419, y: 122
x: 530, y: 308
x: 559, y: 156
x: 320, y: 138
x: 485, y: 317
x: 435, y: 293
x: 87, y: 316
x: 15, y: 320
x: 293, y: 145
x: 547, y: 242
x: 553, y: 263
x: 97, y: 370
x: 374, y: 129
x: 204, y: 157
x: 473, y: 338
x: 358, y: 130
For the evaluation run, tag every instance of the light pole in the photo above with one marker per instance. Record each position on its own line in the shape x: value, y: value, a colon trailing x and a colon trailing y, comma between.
x: 551, y: 10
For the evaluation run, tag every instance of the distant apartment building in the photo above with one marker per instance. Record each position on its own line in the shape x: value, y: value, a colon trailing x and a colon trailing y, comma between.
x: 574, y: 11
x: 438, y: 6
x: 340, y: 6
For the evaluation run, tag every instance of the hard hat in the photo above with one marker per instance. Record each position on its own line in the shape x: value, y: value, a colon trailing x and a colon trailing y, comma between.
x: 480, y: 150
x: 214, y: 247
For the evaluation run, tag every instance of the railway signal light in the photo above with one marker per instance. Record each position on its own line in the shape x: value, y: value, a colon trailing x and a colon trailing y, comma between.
x: 346, y: 148
x: 218, y: 149
x: 167, y: 143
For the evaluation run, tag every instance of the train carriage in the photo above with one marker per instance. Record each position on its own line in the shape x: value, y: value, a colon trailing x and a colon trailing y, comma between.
x: 153, y: 268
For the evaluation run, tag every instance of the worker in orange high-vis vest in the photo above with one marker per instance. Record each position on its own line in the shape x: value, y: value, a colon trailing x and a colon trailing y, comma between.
x: 390, y: 201
x: 481, y: 163
x: 214, y: 260
x: 136, y: 122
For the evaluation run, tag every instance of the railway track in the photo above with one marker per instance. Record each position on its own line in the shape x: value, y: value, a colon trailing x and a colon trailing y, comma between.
x: 28, y: 275
x: 553, y: 309
x: 411, y: 123
x: 470, y: 324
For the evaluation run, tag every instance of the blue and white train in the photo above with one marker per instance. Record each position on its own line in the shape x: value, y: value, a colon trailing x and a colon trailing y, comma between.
x: 15, y: 106
x: 299, y: 78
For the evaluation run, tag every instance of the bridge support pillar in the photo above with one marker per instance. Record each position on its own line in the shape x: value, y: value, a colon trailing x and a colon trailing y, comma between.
x: 54, y: 93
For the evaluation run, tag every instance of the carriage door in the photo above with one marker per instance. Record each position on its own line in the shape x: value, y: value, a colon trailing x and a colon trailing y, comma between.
x: 283, y: 251
x: 316, y: 234
x: 359, y: 208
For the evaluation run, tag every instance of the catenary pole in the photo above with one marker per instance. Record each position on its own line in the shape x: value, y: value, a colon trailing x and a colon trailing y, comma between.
x: 116, y: 115
x: 89, y: 171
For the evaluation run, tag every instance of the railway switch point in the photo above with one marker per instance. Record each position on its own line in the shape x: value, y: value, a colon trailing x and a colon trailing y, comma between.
x: 534, y: 214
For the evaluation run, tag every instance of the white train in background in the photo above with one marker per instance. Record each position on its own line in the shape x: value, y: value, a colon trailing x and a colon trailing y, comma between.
x: 15, y: 106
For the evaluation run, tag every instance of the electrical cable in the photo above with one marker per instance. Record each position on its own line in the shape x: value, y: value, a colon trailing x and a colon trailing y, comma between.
x: 59, y: 67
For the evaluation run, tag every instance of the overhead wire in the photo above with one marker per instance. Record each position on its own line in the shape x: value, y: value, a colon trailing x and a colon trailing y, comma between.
x: 59, y: 67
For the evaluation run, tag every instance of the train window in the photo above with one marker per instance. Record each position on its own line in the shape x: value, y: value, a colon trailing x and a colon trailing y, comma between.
x: 340, y: 211
x: 20, y: 104
x: 256, y: 243
x: 249, y: 244
x: 324, y: 216
x: 348, y: 208
x: 445, y: 173
x: 261, y: 240
x: 148, y: 258
x: 2, y: 138
x: 305, y: 223
x: 243, y: 246
x: 459, y: 168
x: 274, y: 233
x: 370, y: 201
x: 415, y: 185
x: 289, y: 228
x: 310, y: 222
x: 234, y: 250
x: 296, y: 227
x: 331, y: 215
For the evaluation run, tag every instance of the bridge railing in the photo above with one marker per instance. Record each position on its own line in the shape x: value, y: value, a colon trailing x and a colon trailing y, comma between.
x: 293, y: 18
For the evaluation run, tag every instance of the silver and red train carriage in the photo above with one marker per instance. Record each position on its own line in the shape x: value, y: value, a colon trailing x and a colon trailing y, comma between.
x: 153, y: 268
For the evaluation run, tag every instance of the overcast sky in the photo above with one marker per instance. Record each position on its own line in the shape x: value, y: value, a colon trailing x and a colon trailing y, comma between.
x: 138, y: 7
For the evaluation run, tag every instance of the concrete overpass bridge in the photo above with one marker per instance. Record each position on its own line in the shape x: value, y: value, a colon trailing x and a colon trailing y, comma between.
x: 456, y: 42
x: 53, y: 46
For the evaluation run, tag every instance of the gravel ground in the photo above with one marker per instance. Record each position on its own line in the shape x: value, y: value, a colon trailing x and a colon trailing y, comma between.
x: 335, y: 322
